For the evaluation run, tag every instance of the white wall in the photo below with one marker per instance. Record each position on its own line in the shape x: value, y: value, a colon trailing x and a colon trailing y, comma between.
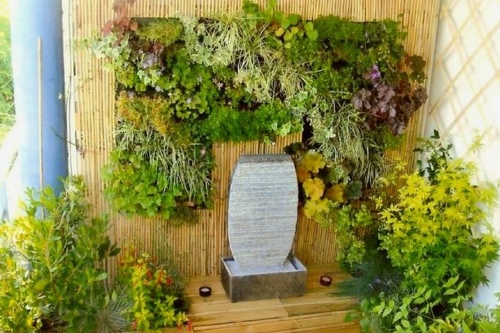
x: 465, y: 94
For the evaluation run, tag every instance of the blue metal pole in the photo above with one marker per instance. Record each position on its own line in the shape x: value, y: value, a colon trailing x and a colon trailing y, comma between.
x: 37, y: 64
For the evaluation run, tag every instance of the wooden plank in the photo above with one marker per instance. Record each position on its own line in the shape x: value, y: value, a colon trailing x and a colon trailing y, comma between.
x: 285, y: 324
x: 228, y: 306
x: 212, y: 281
x: 316, y: 311
x: 317, y: 303
x: 208, y: 314
x: 347, y: 328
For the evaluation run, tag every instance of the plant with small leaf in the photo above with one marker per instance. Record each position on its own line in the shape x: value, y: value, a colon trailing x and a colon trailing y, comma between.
x: 149, y: 175
x: 407, y: 311
x: 7, y: 117
x: 431, y: 234
x: 385, y: 104
x: 50, y: 259
x: 490, y: 323
x: 264, y: 123
x: 436, y: 155
x: 158, y: 299
x: 135, y: 187
x: 352, y: 226
x: 430, y: 231
x: 322, y: 185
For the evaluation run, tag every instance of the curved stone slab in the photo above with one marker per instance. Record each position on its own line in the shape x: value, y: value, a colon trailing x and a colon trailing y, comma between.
x: 262, y: 213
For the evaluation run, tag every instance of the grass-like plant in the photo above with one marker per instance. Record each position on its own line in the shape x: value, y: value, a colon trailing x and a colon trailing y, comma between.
x: 339, y: 134
x: 109, y: 312
x: 150, y: 175
x: 163, y: 31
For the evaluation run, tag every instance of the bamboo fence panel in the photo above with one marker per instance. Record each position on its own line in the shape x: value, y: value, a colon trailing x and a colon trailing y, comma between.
x: 197, y: 249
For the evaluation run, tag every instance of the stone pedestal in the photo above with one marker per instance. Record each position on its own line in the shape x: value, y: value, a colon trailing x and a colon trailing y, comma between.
x: 262, y: 217
x: 245, y: 285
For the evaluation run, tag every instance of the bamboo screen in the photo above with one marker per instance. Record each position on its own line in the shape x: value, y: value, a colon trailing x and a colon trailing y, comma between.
x: 90, y: 96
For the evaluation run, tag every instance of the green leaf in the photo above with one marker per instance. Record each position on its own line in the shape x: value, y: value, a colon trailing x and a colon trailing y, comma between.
x: 312, y: 34
x: 488, y: 327
x: 450, y: 291
x: 386, y: 312
x: 466, y: 328
x: 41, y: 284
x: 450, y: 282
x: 279, y: 32
x: 101, y: 276
x: 308, y: 26
x: 114, y: 251
x: 351, y: 316
x: 397, y: 317
x: 419, y: 300
x: 294, y: 19
x: 288, y: 36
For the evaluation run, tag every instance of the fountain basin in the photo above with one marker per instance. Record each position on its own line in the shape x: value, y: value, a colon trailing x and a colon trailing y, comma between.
x: 243, y: 284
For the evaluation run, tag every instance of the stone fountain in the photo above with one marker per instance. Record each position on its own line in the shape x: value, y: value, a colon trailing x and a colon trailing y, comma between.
x: 262, y: 218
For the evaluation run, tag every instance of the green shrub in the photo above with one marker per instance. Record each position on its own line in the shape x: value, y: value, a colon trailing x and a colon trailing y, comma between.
x: 438, y: 236
x: 49, y: 263
x: 431, y: 231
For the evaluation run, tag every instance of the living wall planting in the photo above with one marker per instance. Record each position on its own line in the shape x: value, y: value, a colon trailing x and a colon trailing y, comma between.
x: 249, y: 79
x: 185, y: 83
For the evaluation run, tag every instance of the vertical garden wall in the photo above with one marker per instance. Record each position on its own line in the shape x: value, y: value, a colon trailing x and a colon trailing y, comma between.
x: 91, y: 95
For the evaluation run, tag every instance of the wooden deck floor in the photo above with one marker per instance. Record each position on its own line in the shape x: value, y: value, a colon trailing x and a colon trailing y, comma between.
x: 316, y: 311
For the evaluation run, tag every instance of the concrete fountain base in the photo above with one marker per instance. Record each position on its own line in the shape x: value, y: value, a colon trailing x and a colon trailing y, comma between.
x: 263, y: 283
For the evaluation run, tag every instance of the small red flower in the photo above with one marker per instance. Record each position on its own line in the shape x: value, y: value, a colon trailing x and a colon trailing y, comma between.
x: 169, y: 281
